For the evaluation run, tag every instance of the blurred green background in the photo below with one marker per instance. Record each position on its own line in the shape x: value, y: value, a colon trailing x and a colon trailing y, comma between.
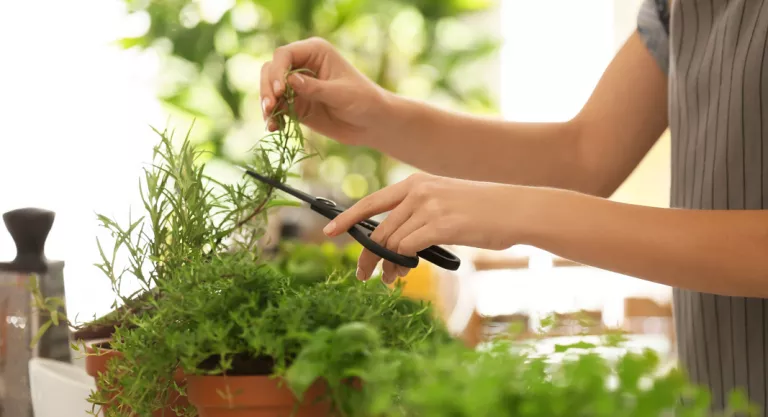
x: 211, y: 54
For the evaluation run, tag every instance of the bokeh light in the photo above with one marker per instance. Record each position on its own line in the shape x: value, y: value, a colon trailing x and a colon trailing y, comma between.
x: 355, y: 186
x: 333, y: 169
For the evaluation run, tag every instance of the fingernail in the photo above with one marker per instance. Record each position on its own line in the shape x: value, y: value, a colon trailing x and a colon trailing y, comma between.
x: 360, y: 274
x: 264, y: 104
x: 329, y: 228
x: 299, y: 79
x: 276, y: 86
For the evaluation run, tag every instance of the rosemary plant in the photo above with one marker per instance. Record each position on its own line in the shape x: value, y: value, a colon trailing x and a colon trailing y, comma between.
x: 209, y: 303
x: 188, y: 216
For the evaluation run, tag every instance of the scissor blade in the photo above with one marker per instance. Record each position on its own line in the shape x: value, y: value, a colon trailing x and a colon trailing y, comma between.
x: 280, y: 186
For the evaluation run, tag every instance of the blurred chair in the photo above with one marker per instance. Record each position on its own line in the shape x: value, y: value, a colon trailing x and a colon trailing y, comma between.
x: 484, y: 261
x: 59, y: 389
x: 645, y: 316
x: 517, y: 326
x: 578, y: 323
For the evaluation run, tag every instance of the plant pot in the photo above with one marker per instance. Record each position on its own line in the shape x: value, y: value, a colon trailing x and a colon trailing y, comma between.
x: 99, y: 354
x: 253, y: 396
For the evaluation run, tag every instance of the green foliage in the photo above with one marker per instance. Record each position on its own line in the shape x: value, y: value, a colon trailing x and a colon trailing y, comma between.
x: 210, y: 304
x: 312, y: 263
x: 452, y: 380
x: 448, y: 379
x: 215, y: 306
x: 190, y: 216
x: 233, y: 315
x: 211, y: 58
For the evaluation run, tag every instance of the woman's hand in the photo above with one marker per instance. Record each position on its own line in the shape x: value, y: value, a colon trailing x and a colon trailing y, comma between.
x: 335, y: 99
x: 429, y: 210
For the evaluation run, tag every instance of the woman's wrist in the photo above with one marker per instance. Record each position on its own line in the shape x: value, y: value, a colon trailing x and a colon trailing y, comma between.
x: 536, y: 213
x: 400, y: 119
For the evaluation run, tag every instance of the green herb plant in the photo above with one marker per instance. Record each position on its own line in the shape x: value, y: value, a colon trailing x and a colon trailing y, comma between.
x: 505, y: 378
x: 209, y: 302
x: 312, y: 262
x: 188, y: 215
x: 452, y: 380
x: 502, y: 381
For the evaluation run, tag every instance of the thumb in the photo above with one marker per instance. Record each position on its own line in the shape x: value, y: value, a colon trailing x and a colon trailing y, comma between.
x: 314, y: 89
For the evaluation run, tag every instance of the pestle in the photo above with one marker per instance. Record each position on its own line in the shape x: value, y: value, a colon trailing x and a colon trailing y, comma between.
x: 29, y: 228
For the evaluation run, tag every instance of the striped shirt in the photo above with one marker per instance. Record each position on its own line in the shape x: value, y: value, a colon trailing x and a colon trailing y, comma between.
x: 714, y: 53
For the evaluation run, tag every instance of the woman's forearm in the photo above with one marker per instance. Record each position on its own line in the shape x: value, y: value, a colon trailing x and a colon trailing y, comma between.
x: 720, y: 252
x: 452, y: 144
x: 593, y: 153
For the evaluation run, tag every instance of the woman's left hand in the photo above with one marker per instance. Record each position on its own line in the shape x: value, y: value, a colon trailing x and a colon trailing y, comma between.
x: 428, y: 210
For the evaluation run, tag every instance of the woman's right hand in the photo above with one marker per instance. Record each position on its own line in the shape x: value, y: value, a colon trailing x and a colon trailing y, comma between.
x: 338, y: 101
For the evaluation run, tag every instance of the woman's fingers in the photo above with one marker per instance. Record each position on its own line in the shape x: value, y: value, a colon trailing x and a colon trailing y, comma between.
x: 389, y: 273
x: 414, y: 235
x: 402, y: 271
x: 413, y: 223
x: 420, y: 239
x: 267, y: 98
x: 306, y: 53
x: 329, y: 92
x: 300, y: 54
x: 379, y: 202
x: 368, y: 261
x: 366, y: 264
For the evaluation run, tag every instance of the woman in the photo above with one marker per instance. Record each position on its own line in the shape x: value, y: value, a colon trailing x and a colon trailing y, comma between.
x: 492, y: 184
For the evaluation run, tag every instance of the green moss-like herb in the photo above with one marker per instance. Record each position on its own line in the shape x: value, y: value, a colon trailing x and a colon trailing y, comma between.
x: 236, y: 317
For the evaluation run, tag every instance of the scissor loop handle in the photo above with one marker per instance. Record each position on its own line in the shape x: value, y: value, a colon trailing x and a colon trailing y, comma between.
x: 434, y: 254
x: 440, y: 257
x: 361, y: 232
x: 363, y: 236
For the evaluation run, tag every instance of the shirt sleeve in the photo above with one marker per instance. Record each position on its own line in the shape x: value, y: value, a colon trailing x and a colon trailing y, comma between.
x: 653, y: 27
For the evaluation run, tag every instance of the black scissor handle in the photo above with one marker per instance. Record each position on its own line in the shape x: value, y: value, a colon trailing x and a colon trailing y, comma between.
x: 440, y: 257
x: 363, y: 235
x: 434, y: 254
x: 361, y: 232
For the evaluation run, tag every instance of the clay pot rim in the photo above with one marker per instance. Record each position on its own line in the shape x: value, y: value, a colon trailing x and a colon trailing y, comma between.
x: 98, y: 349
x: 104, y: 345
x: 249, y: 392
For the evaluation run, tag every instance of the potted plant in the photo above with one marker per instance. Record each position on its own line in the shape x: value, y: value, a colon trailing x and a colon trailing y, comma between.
x: 189, y: 217
x: 215, y: 324
x: 246, y: 338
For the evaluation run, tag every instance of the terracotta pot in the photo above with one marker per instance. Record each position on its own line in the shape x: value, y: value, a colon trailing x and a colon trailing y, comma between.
x: 96, y: 363
x: 253, y: 396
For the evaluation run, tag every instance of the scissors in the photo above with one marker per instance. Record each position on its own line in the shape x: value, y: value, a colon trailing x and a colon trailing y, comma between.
x: 361, y: 232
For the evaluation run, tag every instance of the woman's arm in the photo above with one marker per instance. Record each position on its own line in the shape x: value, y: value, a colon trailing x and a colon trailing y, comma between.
x: 593, y: 153
x: 719, y: 252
